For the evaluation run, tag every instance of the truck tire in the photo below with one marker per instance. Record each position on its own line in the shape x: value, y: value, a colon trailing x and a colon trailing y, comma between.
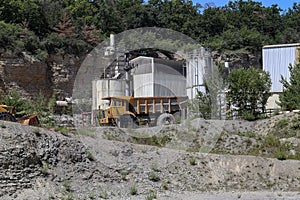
x: 7, y: 117
x: 165, y: 119
x: 126, y: 121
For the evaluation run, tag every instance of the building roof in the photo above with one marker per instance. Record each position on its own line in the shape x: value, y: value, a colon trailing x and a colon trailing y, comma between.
x: 281, y: 45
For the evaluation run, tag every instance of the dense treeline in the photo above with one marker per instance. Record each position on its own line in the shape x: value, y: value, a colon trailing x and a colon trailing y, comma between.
x: 43, y: 27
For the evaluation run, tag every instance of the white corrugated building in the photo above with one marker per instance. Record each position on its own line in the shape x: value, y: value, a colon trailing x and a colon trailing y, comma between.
x: 158, y: 77
x: 276, y: 59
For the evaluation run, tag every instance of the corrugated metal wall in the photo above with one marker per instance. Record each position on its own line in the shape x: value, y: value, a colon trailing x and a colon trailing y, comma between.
x: 154, y: 77
x: 276, y: 60
x: 106, y: 88
x: 168, y: 81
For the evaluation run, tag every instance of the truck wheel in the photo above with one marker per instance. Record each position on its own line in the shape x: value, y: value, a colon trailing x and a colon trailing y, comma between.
x: 7, y: 117
x: 126, y: 121
x: 165, y: 119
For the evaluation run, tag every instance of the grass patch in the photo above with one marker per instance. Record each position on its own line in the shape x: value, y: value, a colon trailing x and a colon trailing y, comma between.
x: 90, y: 156
x: 3, y: 125
x: 104, y: 194
x: 67, y: 185
x: 165, y: 185
x: 152, y: 195
x: 133, y: 190
x: 153, y: 176
x: 281, y: 155
x: 192, y: 160
x: 86, y: 132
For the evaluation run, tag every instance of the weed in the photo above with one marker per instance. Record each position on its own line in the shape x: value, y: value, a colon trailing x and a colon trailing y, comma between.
x: 152, y: 195
x: 104, y: 194
x: 69, y: 196
x: 133, y: 190
x: 45, y: 170
x: 90, y: 156
x: 154, y: 167
x: 3, y: 125
x: 153, y: 176
x: 248, y: 142
x: 86, y: 132
x: 67, y: 185
x: 282, y: 123
x: 165, y: 185
x: 192, y: 160
x: 271, y: 142
x: 124, y: 174
x: 280, y: 155
x: 144, y: 150
x: 92, y: 196
x: 37, y: 131
x: 61, y: 129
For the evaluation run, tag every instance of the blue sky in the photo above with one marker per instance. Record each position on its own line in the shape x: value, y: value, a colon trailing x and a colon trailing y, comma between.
x: 284, y: 4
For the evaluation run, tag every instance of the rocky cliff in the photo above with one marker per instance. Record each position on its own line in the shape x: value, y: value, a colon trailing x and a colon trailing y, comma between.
x: 31, y: 77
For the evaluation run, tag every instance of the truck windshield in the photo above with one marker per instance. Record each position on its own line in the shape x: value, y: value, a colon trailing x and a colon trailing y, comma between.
x: 117, y: 102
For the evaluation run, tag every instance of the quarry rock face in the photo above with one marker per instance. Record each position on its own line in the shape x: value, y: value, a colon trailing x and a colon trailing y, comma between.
x: 31, y: 77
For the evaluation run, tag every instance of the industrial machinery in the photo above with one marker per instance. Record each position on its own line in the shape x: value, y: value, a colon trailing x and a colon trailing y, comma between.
x: 8, y: 113
x: 129, y: 112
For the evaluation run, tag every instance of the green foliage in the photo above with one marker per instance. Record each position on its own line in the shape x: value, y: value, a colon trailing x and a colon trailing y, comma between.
x: 290, y: 97
x: 90, y: 156
x: 13, y: 98
x: 271, y: 141
x: 31, y: 25
x: 3, y: 125
x: 192, y: 160
x: 249, y: 91
x: 67, y: 185
x: 152, y: 195
x: 104, y: 194
x: 201, y: 105
x: 153, y: 176
x: 45, y: 169
x: 9, y: 35
x: 165, y: 185
x: 133, y: 190
x: 281, y: 155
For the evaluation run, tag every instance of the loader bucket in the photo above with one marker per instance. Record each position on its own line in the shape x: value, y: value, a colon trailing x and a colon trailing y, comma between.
x: 31, y: 120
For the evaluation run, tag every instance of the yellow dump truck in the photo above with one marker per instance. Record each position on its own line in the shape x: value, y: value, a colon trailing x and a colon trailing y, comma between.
x: 129, y: 112
x: 8, y: 113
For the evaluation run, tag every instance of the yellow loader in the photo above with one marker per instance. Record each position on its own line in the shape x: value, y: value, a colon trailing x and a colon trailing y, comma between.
x: 8, y: 113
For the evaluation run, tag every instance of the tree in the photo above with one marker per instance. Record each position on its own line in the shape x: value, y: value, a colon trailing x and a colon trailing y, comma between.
x: 249, y: 91
x: 201, y: 105
x: 290, y: 97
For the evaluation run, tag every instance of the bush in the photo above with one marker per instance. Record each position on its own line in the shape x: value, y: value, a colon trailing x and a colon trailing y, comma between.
x: 281, y: 155
x: 9, y: 37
